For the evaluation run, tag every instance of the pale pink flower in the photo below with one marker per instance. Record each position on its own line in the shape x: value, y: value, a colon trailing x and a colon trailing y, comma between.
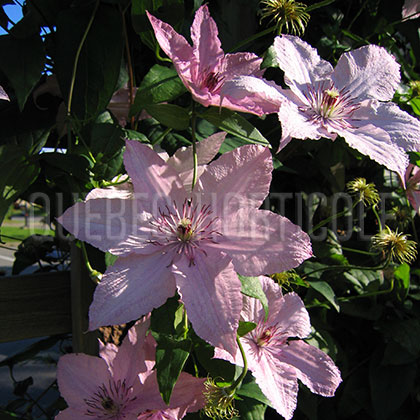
x: 3, y: 95
x: 168, y: 240
x: 411, y: 9
x: 120, y: 384
x: 276, y: 356
x: 204, y: 67
x: 351, y: 100
x: 412, y: 182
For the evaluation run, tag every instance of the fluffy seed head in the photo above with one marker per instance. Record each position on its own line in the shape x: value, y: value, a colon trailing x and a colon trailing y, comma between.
x: 365, y: 192
x: 287, y: 13
x: 395, y: 245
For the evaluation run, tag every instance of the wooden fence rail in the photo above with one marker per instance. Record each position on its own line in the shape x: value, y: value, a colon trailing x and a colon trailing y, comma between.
x: 45, y: 304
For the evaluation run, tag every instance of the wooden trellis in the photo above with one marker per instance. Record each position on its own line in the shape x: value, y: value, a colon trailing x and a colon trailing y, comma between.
x: 45, y: 304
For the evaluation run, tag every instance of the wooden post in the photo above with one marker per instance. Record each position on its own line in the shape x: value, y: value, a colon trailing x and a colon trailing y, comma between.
x: 82, y: 288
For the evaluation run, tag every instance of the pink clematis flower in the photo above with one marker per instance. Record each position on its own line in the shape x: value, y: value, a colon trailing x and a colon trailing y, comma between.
x: 120, y: 384
x: 204, y: 67
x: 412, y: 180
x: 168, y: 239
x: 351, y: 101
x: 277, y: 362
x: 3, y: 95
x: 411, y: 9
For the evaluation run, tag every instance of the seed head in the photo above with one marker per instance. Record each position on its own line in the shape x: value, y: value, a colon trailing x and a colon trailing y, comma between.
x: 365, y: 192
x: 219, y: 401
x: 395, y: 245
x: 287, y: 13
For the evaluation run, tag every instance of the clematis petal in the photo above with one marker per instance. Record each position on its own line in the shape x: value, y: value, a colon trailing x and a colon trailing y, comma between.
x: 123, y: 191
x: 411, y: 9
x: 295, y: 124
x: 242, y: 63
x: 151, y: 176
x: 71, y: 414
x: 211, y: 292
x: 313, y: 367
x: 240, y: 178
x: 207, y: 46
x: 376, y: 143
x: 130, y: 359
x: 403, y: 128
x: 3, y: 95
x: 414, y: 198
x: 299, y: 61
x: 188, y: 393
x: 288, y: 312
x: 182, y: 161
x: 278, y: 383
x: 259, y: 241
x: 175, y: 46
x: 369, y: 72
x: 132, y: 287
x: 80, y: 375
x: 116, y: 225
x: 257, y: 95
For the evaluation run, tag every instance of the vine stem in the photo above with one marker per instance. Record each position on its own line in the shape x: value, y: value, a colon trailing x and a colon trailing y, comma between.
x: 76, y: 59
x: 332, y: 217
x: 241, y: 377
x: 93, y: 274
x: 348, y: 267
x: 129, y: 64
x: 194, y: 145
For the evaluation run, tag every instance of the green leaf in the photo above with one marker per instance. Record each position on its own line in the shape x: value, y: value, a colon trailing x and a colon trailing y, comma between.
x: 110, y: 259
x: 107, y: 146
x: 161, y: 84
x: 164, y: 318
x: 18, y: 173
x: 22, y: 62
x: 325, y: 290
x: 234, y: 124
x: 402, y: 281
x: 172, y: 116
x: 245, y: 327
x: 169, y: 11
x: 251, y: 286
x: 250, y: 389
x: 171, y: 355
x: 100, y: 58
x: 415, y: 105
x: 250, y: 409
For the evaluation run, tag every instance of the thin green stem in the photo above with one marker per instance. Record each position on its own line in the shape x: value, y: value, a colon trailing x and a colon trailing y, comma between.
x: 163, y: 135
x: 93, y: 274
x: 76, y: 59
x: 369, y: 294
x: 194, y: 145
x: 318, y: 5
x: 332, y: 217
x: 158, y: 56
x: 185, y: 324
x: 375, y: 212
x: 131, y: 81
x: 347, y: 267
x: 359, y: 251
x: 241, y: 377
x: 252, y: 38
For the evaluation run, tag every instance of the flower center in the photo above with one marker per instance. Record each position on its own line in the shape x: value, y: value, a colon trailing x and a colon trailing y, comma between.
x: 110, y: 401
x: 212, y: 81
x: 268, y: 335
x: 185, y: 229
x: 329, y: 106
